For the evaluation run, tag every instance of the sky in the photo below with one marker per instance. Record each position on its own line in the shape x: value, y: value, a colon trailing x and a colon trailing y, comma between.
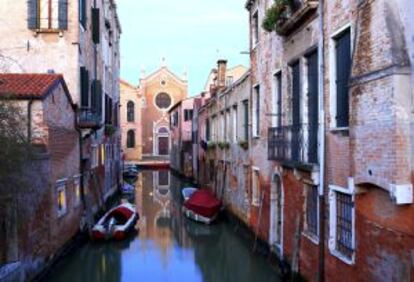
x: 190, y: 34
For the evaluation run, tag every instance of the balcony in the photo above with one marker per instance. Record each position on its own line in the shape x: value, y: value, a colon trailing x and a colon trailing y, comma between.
x: 294, y: 145
x: 88, y: 118
x: 295, y: 14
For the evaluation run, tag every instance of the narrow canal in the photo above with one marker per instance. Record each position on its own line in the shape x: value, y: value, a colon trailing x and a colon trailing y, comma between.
x: 167, y: 246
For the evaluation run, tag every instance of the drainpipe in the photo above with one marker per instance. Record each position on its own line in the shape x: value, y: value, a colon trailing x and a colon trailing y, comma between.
x: 321, y: 131
x: 29, y: 120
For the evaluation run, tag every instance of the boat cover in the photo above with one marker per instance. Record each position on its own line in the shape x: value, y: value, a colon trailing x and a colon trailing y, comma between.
x: 204, y: 203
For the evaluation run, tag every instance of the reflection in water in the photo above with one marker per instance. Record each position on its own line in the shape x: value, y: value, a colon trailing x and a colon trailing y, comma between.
x: 168, y: 247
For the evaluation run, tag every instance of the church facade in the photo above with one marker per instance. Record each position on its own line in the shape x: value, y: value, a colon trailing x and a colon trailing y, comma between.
x: 158, y: 92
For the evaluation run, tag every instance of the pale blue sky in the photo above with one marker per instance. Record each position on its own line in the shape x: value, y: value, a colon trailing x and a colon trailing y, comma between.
x: 187, y: 33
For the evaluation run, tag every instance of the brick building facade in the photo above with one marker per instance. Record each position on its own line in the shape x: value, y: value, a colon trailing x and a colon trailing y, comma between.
x: 336, y: 175
x: 46, y: 209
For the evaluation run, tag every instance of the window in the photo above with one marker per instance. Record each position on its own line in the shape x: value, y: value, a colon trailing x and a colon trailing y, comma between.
x: 208, y: 136
x: 214, y: 128
x: 130, y: 111
x: 312, y: 211
x: 228, y: 129
x: 222, y: 129
x: 188, y: 115
x: 255, y: 186
x: 47, y: 14
x: 96, y: 99
x: 84, y: 84
x: 256, y: 115
x: 82, y: 13
x: 131, y: 139
x: 108, y: 109
x: 342, y: 224
x: 277, y: 99
x: 235, y: 125
x: 103, y: 155
x: 342, y: 68
x: 94, y: 156
x: 229, y: 80
x: 95, y: 25
x: 296, y: 144
x: 246, y: 120
x: 163, y: 101
x: 61, y: 197
x: 255, y: 28
x: 211, y: 172
x: 77, y: 191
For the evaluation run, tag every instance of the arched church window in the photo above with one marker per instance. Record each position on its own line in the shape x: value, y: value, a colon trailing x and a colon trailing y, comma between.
x: 130, y: 139
x: 130, y: 111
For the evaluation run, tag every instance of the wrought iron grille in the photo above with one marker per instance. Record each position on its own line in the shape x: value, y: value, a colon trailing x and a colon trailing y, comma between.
x: 344, y: 209
x: 296, y: 143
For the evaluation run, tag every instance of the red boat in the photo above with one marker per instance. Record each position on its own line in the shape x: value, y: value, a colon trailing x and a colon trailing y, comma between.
x: 202, y: 206
x: 116, y: 223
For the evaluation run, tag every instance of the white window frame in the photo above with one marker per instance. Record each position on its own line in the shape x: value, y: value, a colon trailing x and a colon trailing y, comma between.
x: 235, y: 125
x: 61, y: 187
x: 275, y: 94
x: 312, y: 237
x: 53, y: 20
x: 256, y: 118
x: 255, y: 186
x: 255, y: 27
x: 332, y: 73
x: 228, y: 128
x: 333, y: 190
x: 94, y: 156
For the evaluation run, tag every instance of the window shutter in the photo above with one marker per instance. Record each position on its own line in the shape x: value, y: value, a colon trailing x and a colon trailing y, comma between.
x: 343, y: 68
x: 32, y: 14
x: 95, y: 25
x: 84, y: 78
x: 63, y: 14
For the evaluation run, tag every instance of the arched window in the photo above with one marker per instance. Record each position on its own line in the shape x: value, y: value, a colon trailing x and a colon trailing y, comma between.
x: 131, y: 139
x: 163, y: 130
x: 130, y: 111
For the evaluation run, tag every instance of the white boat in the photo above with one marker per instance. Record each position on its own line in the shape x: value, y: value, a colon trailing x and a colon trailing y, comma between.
x: 187, y: 192
x: 116, y: 223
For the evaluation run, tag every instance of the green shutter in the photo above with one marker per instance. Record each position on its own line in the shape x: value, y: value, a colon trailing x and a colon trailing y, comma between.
x: 32, y: 14
x: 95, y: 25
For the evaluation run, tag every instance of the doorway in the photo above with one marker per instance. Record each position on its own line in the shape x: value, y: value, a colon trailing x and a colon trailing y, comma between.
x: 276, y: 215
x: 163, y: 145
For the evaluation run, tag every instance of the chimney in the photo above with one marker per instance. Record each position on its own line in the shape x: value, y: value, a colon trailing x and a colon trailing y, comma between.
x: 221, y: 73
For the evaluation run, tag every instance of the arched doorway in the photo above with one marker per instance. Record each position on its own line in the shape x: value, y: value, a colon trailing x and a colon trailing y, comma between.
x: 162, y: 141
x: 276, y: 215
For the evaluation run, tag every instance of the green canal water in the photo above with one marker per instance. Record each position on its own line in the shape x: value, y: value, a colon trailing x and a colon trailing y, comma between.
x: 167, y: 246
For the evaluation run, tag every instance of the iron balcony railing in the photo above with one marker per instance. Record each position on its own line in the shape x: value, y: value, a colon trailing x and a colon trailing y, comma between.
x: 89, y: 118
x: 296, y: 143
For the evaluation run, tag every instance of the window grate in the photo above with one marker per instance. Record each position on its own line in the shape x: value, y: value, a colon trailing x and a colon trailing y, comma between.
x: 344, y: 210
x: 312, y: 210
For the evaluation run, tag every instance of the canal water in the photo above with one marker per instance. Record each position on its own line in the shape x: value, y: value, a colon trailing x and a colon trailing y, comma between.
x: 167, y: 246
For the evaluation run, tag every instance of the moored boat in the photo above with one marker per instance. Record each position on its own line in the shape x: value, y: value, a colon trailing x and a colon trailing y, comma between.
x: 127, y: 188
x: 187, y: 192
x: 202, y: 206
x: 116, y: 223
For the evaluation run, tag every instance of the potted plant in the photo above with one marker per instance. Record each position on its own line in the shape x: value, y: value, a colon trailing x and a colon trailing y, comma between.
x: 277, y: 15
x: 244, y: 144
x: 224, y: 145
x: 110, y: 130
x: 211, y: 144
